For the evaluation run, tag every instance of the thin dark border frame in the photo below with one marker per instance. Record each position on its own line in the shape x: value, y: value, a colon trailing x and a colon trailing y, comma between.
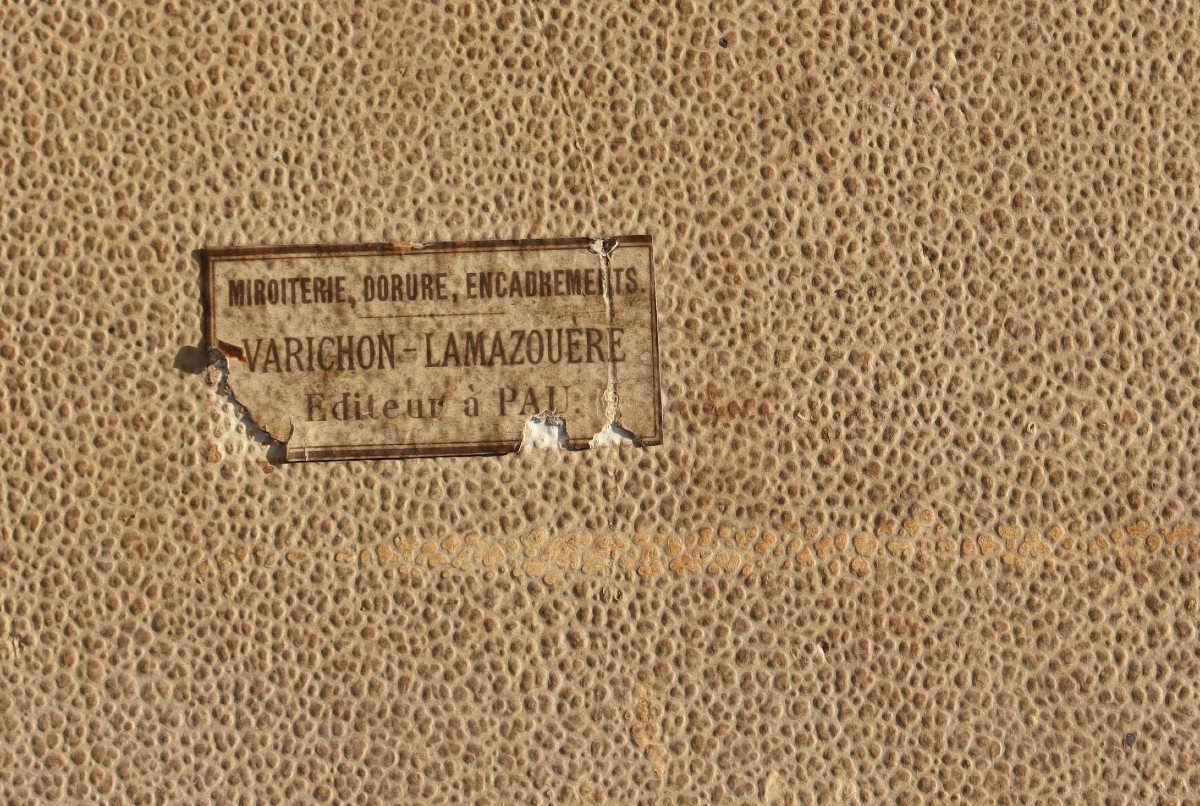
x: 208, y: 256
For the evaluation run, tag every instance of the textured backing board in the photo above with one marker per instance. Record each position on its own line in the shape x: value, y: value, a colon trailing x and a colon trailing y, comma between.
x: 922, y: 525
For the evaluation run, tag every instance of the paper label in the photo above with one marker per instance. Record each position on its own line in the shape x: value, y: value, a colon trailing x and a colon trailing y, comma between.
x: 401, y: 350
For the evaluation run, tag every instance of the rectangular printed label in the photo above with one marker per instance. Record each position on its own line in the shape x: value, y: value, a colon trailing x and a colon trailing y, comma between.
x: 402, y: 350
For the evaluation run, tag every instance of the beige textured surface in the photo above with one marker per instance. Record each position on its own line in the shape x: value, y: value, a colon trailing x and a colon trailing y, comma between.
x: 921, y: 526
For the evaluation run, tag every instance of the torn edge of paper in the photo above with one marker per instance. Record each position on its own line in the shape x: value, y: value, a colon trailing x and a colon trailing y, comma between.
x: 548, y: 431
x: 219, y: 360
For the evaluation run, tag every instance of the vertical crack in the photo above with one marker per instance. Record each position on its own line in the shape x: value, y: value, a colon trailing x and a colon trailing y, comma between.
x: 604, y: 248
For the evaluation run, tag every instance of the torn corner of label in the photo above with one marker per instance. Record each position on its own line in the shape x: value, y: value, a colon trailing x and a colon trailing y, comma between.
x: 545, y: 430
x: 281, y: 434
x: 275, y: 430
x: 614, y: 434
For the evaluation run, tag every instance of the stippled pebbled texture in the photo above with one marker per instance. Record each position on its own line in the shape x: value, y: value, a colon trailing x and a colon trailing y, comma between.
x: 921, y: 528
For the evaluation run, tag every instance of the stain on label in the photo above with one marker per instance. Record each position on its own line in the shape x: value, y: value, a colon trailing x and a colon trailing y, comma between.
x: 443, y: 349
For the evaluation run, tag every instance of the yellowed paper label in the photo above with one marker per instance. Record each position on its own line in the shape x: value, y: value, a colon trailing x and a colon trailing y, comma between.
x: 399, y: 350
